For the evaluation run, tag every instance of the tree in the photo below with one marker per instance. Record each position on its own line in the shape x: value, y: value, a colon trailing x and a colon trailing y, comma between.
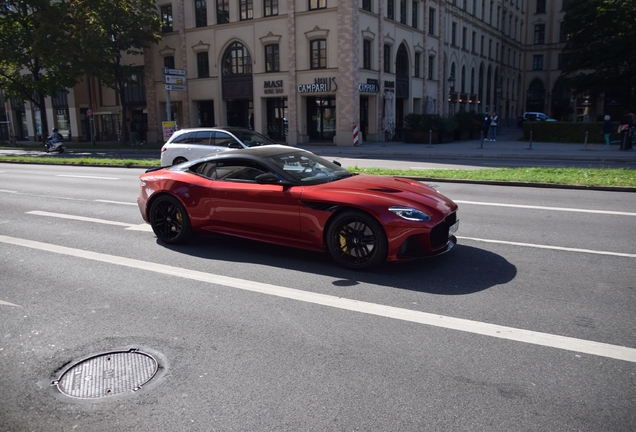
x: 32, y: 52
x: 600, y: 52
x: 103, y: 31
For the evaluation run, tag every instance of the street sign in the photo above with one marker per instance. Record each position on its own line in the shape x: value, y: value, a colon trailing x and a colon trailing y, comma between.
x: 179, y: 88
x: 89, y: 112
x: 167, y: 71
x: 171, y: 79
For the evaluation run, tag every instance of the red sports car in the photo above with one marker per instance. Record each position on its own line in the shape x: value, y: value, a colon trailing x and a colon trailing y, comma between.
x: 289, y: 196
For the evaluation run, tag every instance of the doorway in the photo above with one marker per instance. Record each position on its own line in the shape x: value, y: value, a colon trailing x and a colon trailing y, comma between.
x: 321, y: 118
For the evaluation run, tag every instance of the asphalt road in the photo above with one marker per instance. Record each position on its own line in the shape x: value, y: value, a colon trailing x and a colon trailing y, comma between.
x: 527, y: 325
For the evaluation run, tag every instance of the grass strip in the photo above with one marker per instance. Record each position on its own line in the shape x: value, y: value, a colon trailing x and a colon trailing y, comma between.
x: 563, y: 176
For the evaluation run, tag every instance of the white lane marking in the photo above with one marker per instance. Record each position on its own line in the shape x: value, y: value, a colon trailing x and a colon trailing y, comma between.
x: 538, y: 246
x: 79, y: 218
x: 8, y: 304
x: 87, y: 177
x: 485, y: 329
x: 564, y: 209
x: 116, y: 202
x: 8, y: 191
x: 133, y: 227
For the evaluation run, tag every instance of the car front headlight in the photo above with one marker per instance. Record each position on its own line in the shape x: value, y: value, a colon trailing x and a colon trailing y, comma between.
x: 410, y: 214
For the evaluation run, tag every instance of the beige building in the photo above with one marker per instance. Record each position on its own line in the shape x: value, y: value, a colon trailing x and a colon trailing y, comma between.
x: 323, y: 70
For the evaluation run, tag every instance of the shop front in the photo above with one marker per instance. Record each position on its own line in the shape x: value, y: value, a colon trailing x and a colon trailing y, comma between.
x: 320, y: 108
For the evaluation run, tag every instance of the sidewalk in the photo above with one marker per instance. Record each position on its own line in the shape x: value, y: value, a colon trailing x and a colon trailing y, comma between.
x: 507, y: 146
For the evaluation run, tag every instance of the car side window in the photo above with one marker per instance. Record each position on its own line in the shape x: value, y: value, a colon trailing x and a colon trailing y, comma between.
x: 238, y: 171
x: 223, y: 139
x: 202, y: 137
x: 205, y: 169
x: 181, y: 138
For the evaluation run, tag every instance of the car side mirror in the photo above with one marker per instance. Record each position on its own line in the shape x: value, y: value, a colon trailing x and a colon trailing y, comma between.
x: 235, y: 145
x: 268, y: 178
x: 337, y: 163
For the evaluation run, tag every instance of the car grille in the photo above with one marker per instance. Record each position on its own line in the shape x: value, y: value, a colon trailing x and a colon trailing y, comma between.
x: 439, y: 233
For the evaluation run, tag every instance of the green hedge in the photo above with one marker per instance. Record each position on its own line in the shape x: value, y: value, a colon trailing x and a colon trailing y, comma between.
x: 567, y: 132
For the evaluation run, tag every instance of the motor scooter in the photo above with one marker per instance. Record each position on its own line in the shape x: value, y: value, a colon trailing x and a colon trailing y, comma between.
x: 51, y: 146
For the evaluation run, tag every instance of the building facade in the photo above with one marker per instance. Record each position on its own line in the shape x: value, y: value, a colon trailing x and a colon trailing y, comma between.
x: 320, y: 70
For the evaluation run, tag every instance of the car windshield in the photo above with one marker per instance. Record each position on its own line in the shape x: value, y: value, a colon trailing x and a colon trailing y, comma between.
x: 251, y: 138
x: 307, y: 168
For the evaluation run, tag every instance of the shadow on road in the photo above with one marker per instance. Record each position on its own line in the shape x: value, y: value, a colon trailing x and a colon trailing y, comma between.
x: 464, y: 270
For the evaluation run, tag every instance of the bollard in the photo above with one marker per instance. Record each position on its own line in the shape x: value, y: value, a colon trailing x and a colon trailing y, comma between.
x: 430, y: 138
x: 585, y: 144
x: 481, y: 145
x: 530, y: 146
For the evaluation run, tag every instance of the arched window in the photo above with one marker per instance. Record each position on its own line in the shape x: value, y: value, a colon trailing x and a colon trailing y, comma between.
x: 402, y: 62
x: 463, y: 79
x: 237, y: 60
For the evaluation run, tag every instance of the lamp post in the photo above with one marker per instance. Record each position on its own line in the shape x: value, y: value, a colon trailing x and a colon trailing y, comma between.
x: 451, y: 86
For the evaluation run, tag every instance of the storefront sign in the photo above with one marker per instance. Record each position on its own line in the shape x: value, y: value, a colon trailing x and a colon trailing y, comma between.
x: 368, y: 88
x: 320, y: 85
x: 273, y: 87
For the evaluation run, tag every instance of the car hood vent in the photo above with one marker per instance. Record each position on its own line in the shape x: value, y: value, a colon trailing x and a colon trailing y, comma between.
x: 385, y: 190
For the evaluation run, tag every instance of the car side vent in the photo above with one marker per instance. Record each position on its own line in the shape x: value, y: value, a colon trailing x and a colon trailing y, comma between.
x: 326, y: 207
x: 385, y: 190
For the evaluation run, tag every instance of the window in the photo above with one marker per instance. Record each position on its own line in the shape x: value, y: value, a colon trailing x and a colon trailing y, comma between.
x: 474, y: 11
x: 431, y: 21
x: 537, y: 62
x: 474, y: 42
x: 414, y: 17
x: 464, y: 38
x: 483, y: 41
x: 366, y: 5
x: 166, y: 19
x: 465, y: 5
x: 403, y: 11
x: 418, y: 60
x: 490, y: 48
x: 539, y: 34
x: 454, y: 35
x: 390, y: 9
x: 387, y: 58
x: 222, y: 11
x: 318, y: 52
x: 200, y: 13
x: 540, y: 6
x: 168, y: 61
x: 237, y: 60
x: 483, y: 10
x: 246, y: 8
x: 366, y: 54
x: 563, y: 37
x: 560, y: 61
x: 270, y: 7
x: 203, y: 66
x: 490, y: 14
x: 431, y: 67
x: 272, y: 58
x: 317, y: 4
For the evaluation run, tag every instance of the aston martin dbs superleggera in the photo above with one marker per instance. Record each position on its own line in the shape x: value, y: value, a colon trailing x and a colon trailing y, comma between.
x: 289, y: 196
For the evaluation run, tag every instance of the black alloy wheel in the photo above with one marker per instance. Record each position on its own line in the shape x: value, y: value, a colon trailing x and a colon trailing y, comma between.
x: 179, y: 160
x: 356, y: 240
x: 169, y: 220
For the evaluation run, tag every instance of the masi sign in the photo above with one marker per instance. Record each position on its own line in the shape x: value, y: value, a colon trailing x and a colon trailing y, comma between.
x: 273, y: 87
x: 320, y: 85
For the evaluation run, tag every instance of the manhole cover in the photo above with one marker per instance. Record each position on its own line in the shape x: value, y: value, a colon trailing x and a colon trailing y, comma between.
x: 109, y: 374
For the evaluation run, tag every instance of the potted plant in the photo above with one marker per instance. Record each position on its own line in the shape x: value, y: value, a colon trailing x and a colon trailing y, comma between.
x: 448, y: 125
x: 464, y: 124
x: 422, y: 128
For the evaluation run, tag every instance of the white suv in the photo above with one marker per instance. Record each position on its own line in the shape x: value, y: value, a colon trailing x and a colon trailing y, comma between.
x: 190, y: 144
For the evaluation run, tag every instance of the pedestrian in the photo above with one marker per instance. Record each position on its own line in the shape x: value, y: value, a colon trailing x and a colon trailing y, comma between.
x: 608, y: 128
x: 486, y: 126
x: 624, y: 127
x: 133, y: 133
x: 494, y: 119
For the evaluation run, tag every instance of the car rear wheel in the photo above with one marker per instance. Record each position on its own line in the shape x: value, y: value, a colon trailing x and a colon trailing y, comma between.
x: 356, y: 240
x: 179, y: 160
x: 169, y: 220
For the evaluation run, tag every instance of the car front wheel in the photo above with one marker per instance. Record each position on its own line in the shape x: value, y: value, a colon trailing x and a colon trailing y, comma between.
x: 356, y: 240
x: 169, y: 220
